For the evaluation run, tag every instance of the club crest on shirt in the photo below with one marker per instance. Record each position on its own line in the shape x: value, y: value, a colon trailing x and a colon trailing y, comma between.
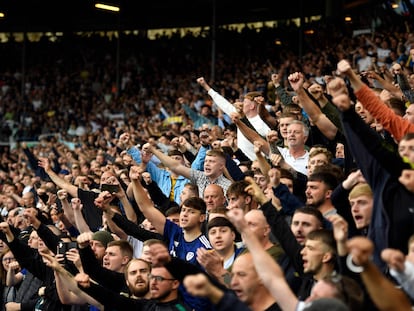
x: 189, y: 256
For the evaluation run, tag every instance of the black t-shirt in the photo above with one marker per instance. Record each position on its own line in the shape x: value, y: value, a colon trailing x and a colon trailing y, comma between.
x: 274, y: 307
x: 92, y: 214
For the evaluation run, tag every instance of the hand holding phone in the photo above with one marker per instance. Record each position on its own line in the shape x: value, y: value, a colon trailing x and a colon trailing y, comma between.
x: 110, y: 188
x: 63, y: 247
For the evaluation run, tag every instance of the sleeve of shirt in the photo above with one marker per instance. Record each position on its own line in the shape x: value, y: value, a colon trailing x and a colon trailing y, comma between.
x: 191, y: 113
x: 282, y: 232
x: 194, y: 175
x: 155, y: 172
x: 221, y: 102
x: 135, y: 154
x: 170, y: 229
x: 27, y: 259
x: 93, y: 215
x: 112, y: 300
x: 393, y: 123
x: 288, y: 200
x: 233, y: 169
x: 198, y: 163
x: 134, y: 230
x: 405, y: 278
x: 112, y: 280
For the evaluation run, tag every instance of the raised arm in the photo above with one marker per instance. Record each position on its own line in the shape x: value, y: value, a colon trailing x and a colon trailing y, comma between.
x: 33, y: 216
x: 284, y: 97
x: 269, y: 271
x: 264, y: 114
x: 172, y: 164
x: 396, y: 125
x: 62, y: 195
x: 278, y: 224
x: 104, y: 205
x: 80, y: 222
x: 315, y: 114
x: 132, y: 229
x: 14, y: 277
x: 60, y: 182
x: 145, y: 205
x: 66, y: 286
x: 263, y: 164
x: 250, y: 134
x: 23, y: 253
x: 219, y: 100
x: 394, y: 90
x: 383, y: 293
x: 114, y: 281
x: 126, y: 204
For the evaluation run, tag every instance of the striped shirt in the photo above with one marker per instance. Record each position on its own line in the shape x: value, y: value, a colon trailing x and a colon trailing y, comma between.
x: 202, y: 181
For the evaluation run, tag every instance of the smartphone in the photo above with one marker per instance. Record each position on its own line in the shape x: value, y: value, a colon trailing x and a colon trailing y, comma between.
x: 63, y: 247
x: 110, y: 188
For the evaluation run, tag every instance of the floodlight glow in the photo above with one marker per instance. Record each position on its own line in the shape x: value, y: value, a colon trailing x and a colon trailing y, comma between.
x: 107, y: 7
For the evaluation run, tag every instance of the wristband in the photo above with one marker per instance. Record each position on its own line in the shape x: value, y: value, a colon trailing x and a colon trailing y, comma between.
x: 353, y: 267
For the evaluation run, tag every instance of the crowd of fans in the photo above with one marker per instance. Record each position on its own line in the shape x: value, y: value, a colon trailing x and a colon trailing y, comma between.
x: 286, y: 183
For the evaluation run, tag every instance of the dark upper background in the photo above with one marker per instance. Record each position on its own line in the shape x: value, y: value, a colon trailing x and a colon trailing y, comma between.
x: 73, y: 15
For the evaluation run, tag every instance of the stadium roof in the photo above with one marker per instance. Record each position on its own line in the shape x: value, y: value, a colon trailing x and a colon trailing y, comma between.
x: 75, y: 15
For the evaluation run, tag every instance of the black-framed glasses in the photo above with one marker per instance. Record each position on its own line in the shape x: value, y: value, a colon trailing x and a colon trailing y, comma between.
x: 159, y: 278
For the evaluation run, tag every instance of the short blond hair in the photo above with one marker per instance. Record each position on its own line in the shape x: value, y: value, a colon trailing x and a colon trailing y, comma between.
x: 360, y: 189
x: 318, y: 150
x: 252, y: 95
x: 216, y: 153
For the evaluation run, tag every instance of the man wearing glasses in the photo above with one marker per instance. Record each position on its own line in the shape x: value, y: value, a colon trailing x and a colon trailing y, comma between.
x: 163, y: 286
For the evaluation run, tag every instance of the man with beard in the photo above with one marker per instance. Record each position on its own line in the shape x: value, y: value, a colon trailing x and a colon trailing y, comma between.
x: 305, y: 220
x: 136, y: 275
x: 137, y: 278
x: 149, y: 289
x: 319, y: 188
x: 163, y: 289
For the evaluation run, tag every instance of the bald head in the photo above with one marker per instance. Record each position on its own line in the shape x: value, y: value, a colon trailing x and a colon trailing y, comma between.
x: 247, y: 285
x: 29, y: 199
x: 258, y: 224
x: 214, y: 197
